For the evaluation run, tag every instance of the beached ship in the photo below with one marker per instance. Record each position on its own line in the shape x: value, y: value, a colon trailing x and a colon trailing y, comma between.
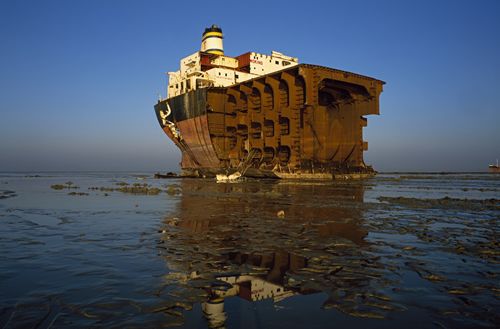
x: 266, y: 115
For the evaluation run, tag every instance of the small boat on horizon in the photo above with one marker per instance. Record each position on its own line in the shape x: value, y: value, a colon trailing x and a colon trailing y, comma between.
x: 494, y: 168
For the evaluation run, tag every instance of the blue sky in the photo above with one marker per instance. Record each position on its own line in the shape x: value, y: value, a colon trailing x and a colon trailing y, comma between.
x: 78, y: 79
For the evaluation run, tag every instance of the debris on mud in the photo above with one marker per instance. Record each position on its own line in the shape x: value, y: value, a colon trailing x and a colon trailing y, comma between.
x: 67, y: 185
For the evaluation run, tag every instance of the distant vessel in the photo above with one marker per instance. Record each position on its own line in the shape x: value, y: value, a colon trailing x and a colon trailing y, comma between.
x: 266, y: 115
x: 494, y: 168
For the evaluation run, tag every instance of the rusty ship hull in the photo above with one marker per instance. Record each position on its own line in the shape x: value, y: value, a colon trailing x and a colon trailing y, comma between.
x: 302, y: 122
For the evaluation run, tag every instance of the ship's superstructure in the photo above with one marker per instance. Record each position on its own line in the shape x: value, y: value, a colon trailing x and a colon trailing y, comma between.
x: 209, y: 67
x: 266, y: 115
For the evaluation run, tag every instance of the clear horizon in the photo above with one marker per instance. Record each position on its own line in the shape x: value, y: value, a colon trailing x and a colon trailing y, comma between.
x: 79, y: 79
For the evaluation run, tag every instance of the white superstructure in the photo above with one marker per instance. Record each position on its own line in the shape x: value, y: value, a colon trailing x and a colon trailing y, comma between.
x: 209, y: 67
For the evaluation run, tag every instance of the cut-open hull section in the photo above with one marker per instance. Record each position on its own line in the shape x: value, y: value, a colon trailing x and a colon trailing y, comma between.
x: 304, y: 122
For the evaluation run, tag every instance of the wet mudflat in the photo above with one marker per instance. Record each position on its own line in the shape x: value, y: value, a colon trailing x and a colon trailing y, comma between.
x: 126, y: 250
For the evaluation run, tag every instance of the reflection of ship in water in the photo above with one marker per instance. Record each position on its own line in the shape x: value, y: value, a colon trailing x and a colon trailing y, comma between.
x: 252, y: 287
x: 229, y: 236
x: 204, y: 205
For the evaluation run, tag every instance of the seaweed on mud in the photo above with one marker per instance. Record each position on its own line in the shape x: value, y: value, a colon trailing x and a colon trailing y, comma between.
x: 172, y: 189
x: 445, y: 202
x: 67, y: 185
x: 139, y: 190
x: 5, y: 194
x: 418, y: 177
x: 58, y: 186
x: 143, y: 189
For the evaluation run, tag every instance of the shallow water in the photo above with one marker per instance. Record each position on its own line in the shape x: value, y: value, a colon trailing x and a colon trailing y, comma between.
x: 412, y: 250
